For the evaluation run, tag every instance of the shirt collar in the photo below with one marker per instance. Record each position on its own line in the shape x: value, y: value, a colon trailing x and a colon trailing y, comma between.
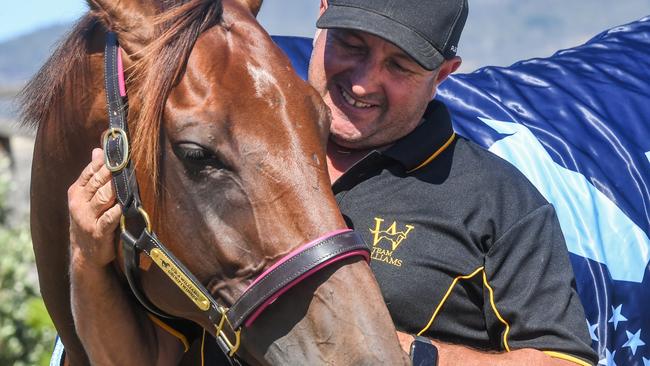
x: 426, y: 141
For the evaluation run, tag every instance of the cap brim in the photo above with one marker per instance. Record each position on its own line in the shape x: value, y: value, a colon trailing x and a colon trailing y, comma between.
x: 338, y: 16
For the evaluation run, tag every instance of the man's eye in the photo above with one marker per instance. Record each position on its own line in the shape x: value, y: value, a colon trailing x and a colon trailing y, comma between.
x: 399, y: 68
x: 351, y: 46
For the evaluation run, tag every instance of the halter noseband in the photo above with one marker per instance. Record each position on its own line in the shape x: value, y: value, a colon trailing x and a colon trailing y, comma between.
x: 280, y: 277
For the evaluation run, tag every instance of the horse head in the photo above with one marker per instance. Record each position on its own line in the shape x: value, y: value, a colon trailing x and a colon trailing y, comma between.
x: 229, y: 151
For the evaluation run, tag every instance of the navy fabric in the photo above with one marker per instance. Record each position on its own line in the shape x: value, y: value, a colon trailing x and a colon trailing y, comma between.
x: 298, y: 49
x: 576, y: 125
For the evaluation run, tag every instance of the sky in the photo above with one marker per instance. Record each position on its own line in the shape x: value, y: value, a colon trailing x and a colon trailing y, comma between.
x: 23, y: 16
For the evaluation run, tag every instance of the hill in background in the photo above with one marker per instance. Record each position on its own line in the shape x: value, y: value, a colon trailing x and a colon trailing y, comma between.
x: 21, y: 57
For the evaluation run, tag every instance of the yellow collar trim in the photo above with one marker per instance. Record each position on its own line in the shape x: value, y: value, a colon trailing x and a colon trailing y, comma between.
x: 435, y: 154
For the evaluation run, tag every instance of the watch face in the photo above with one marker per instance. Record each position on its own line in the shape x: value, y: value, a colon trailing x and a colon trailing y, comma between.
x: 423, y: 353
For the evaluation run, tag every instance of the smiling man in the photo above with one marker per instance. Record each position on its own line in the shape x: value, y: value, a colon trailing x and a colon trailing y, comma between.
x: 466, y: 251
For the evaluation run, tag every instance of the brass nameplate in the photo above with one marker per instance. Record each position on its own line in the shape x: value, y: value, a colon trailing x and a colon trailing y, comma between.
x: 180, y: 279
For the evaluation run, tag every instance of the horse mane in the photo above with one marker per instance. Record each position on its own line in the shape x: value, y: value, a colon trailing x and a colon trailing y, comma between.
x: 158, y: 68
x: 45, y: 91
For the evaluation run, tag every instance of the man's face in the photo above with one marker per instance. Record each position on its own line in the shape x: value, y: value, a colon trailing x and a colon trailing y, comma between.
x: 376, y: 92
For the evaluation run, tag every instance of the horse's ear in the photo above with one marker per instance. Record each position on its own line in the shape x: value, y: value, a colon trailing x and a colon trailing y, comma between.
x: 132, y: 20
x: 253, y: 5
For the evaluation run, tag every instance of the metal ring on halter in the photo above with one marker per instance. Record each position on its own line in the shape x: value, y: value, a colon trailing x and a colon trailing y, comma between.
x: 115, y: 133
x: 145, y: 217
x: 220, y: 333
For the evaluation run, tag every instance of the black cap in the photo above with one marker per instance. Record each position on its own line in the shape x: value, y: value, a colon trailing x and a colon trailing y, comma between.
x: 427, y: 30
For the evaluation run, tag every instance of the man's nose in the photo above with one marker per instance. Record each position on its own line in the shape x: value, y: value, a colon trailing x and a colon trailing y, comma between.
x: 366, y: 78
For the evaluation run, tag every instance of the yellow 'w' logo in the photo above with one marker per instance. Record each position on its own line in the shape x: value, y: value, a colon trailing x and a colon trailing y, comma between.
x: 391, y: 234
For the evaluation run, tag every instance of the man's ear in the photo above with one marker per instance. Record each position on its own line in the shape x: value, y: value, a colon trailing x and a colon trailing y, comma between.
x: 448, y: 67
x: 323, y: 7
x: 253, y: 5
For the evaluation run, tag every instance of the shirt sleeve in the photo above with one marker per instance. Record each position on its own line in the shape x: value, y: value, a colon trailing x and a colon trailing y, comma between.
x: 530, y: 292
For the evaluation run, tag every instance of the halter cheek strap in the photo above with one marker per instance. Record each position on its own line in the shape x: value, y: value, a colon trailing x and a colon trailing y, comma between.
x: 138, y: 237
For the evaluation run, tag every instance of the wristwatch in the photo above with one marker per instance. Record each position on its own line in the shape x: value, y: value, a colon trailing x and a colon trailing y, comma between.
x: 423, y: 352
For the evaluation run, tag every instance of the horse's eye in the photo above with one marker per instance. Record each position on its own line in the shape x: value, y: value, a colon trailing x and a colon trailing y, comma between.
x: 195, y: 154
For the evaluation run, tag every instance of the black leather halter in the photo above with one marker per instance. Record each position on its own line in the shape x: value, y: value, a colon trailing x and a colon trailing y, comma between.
x: 137, y: 235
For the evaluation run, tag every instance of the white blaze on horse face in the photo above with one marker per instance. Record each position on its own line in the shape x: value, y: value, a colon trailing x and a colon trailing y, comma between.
x: 266, y: 85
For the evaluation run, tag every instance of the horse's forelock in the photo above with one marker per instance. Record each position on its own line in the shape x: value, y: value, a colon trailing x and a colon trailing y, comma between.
x: 158, y: 68
x: 48, y: 97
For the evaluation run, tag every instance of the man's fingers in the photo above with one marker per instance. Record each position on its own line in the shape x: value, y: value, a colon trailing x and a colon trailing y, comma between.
x: 107, y: 223
x: 91, y: 168
x: 103, y: 198
x: 99, y: 179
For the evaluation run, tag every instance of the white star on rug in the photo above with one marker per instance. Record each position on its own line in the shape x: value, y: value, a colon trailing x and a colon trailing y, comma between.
x: 609, y: 358
x: 617, y: 316
x: 634, y: 341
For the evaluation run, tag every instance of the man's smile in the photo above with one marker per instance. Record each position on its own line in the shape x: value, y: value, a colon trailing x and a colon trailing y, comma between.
x: 354, y: 101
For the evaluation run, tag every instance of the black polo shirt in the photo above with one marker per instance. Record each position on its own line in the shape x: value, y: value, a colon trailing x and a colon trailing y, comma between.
x: 464, y: 248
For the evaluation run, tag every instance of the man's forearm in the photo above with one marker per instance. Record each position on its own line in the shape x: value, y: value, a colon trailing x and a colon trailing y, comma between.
x: 111, y: 329
x: 451, y: 354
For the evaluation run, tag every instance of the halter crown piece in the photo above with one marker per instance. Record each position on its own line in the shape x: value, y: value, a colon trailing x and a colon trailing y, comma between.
x: 276, y: 280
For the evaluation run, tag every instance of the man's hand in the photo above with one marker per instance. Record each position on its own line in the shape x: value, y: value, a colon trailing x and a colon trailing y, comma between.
x: 94, y: 216
x: 112, y: 329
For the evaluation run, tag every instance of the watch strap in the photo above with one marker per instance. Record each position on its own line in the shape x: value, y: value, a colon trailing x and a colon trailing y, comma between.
x: 423, y: 352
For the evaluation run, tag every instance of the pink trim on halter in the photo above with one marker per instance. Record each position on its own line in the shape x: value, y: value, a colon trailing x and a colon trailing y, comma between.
x: 120, y: 73
x: 286, y: 288
x: 296, y: 251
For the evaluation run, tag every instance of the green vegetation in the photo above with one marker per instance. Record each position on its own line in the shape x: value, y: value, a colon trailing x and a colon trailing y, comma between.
x: 26, y: 331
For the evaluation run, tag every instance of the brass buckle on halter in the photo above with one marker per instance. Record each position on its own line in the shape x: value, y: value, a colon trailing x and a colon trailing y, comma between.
x: 116, y: 133
x: 232, y: 346
x: 145, y: 217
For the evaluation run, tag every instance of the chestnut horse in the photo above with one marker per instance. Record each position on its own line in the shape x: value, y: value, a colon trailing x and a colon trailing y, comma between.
x: 229, y: 146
